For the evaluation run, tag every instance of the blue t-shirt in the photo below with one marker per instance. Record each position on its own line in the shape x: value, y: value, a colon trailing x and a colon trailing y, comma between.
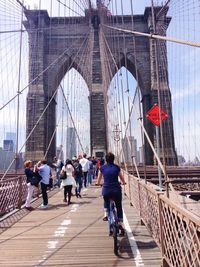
x: 110, y: 174
x: 45, y: 172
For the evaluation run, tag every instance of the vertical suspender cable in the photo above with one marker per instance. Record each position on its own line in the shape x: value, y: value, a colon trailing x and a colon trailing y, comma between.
x: 128, y: 91
x: 18, y: 91
x: 159, y: 98
x: 139, y: 100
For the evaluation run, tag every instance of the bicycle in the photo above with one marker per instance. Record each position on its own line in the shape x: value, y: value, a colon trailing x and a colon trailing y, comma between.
x: 113, y: 224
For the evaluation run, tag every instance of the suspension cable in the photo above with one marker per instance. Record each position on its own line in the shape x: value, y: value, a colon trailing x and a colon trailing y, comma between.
x: 66, y: 102
x: 40, y: 117
x: 40, y: 74
x: 155, y: 36
x: 146, y: 134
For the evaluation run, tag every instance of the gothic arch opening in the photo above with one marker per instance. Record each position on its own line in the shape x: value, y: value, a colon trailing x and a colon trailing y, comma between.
x: 123, y: 101
x: 137, y: 67
x: 73, y: 113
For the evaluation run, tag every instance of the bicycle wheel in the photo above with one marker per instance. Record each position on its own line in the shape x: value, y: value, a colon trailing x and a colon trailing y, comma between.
x: 116, y: 246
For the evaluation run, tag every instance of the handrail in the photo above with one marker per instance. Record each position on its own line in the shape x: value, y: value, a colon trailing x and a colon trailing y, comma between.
x: 173, y: 227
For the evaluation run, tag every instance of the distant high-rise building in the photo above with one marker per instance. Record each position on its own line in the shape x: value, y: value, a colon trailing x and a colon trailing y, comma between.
x: 181, y: 160
x: 8, y: 145
x: 6, y: 157
x: 141, y: 157
x: 71, y: 142
x: 59, y: 153
x: 130, y: 149
x: 12, y: 136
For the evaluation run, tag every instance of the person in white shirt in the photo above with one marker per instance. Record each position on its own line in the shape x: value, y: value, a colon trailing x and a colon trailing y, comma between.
x: 68, y: 181
x: 85, y: 166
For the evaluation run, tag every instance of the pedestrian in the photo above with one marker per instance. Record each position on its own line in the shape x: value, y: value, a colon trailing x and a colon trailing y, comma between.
x: 30, y: 188
x: 58, y: 167
x: 45, y: 171
x: 90, y: 171
x: 111, y: 188
x: 78, y: 175
x: 68, y: 181
x: 85, y: 166
x: 94, y: 161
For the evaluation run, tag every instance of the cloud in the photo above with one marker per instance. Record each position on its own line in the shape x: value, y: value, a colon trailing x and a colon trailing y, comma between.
x: 188, y: 91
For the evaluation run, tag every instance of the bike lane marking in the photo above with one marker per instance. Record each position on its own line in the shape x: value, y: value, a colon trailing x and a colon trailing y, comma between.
x: 135, y: 250
x: 60, y: 231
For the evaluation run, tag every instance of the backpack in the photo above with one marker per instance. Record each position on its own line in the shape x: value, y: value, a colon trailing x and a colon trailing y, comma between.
x: 77, y: 169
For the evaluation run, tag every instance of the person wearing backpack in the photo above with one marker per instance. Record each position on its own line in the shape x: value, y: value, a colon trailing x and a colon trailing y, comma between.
x: 78, y: 175
x: 68, y: 181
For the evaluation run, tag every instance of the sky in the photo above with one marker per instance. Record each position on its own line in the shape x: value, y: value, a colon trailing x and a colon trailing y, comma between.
x: 183, y: 68
x: 9, y: 56
x: 138, y: 5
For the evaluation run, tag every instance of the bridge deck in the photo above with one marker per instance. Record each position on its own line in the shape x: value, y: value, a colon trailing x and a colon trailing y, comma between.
x: 75, y: 235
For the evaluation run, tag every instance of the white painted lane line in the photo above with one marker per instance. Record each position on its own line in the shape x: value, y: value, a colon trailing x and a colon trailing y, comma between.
x: 59, y: 232
x: 52, y: 244
x: 135, y: 250
x: 74, y: 207
x: 66, y: 222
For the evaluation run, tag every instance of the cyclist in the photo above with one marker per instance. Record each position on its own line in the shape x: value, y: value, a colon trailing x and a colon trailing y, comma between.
x: 111, y: 188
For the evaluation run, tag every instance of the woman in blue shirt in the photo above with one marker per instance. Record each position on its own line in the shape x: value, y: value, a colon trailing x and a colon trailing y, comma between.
x: 111, y: 186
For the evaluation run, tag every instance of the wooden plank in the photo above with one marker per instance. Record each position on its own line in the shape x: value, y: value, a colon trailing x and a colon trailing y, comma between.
x: 74, y: 235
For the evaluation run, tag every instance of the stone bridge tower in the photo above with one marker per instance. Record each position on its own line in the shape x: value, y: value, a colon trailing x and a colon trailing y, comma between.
x: 54, y: 50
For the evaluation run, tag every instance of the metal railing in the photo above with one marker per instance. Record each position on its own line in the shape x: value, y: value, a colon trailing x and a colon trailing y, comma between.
x: 13, y: 192
x: 175, y: 229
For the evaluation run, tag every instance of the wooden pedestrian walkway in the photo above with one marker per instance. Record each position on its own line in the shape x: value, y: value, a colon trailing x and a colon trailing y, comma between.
x: 75, y: 235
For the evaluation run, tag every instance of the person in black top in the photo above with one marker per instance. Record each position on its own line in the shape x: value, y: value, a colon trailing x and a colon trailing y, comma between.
x: 78, y: 175
x: 29, y: 174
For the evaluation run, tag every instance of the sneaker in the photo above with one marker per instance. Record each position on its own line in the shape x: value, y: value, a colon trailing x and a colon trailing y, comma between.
x: 42, y: 206
x: 64, y: 200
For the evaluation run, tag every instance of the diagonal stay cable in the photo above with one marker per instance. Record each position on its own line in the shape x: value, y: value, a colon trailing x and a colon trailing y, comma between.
x: 64, y: 97
x: 155, y: 36
x: 42, y: 114
x: 72, y: 118
x: 52, y: 137
x: 12, y: 31
x: 69, y: 7
x: 21, y: 4
x: 40, y: 74
x: 142, y: 126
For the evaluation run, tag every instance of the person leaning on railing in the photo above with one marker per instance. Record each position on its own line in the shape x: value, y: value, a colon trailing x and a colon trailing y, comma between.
x: 29, y: 174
